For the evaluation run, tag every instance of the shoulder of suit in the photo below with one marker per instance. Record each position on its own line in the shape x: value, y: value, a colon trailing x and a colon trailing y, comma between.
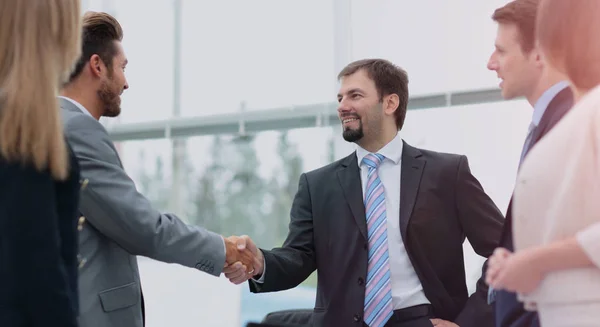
x: 557, y: 108
x: 76, y: 120
x: 332, y: 167
x: 429, y: 155
x: 15, y: 170
x: 437, y: 155
x: 562, y: 101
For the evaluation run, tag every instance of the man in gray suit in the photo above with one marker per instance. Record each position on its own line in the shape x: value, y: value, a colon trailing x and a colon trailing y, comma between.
x: 117, y: 222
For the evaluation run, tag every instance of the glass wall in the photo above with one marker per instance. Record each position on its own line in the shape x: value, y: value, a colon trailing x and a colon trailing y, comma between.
x: 233, y: 55
x: 233, y: 185
x: 444, y: 45
x: 490, y: 135
x: 259, y: 54
x: 245, y: 185
x: 240, y: 55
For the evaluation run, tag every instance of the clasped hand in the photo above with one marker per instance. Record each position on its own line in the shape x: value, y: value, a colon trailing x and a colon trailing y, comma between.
x: 514, y: 272
x: 243, y: 259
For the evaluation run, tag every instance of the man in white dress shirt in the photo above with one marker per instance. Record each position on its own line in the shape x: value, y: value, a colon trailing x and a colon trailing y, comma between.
x: 384, y: 227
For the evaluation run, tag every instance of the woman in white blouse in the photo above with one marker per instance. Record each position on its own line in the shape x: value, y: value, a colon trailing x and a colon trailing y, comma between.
x: 556, y: 207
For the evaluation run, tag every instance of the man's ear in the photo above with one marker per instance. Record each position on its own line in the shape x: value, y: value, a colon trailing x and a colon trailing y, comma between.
x: 390, y: 103
x: 537, y: 57
x: 96, y: 65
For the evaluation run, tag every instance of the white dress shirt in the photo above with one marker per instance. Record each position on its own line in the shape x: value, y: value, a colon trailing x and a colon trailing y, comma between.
x: 407, y: 290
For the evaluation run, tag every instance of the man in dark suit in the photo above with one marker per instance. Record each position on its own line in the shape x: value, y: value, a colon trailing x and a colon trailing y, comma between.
x: 385, y: 226
x: 518, y: 63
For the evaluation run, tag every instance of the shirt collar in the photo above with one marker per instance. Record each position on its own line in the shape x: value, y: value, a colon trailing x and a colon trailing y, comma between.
x: 391, y: 151
x: 78, y: 105
x: 542, y: 103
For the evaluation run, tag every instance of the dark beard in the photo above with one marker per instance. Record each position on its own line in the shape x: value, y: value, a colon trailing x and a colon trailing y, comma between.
x: 353, y: 135
x: 110, y: 100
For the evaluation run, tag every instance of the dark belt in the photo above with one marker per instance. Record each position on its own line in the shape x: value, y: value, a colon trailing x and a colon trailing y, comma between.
x: 411, y: 313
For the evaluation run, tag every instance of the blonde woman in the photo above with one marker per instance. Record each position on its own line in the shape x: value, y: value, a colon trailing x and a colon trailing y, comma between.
x: 39, y: 177
x: 556, y: 209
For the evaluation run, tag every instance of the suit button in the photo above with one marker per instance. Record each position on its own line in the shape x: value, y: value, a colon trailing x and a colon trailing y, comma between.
x: 366, y: 246
x: 81, y: 261
x: 80, y: 223
x: 361, y: 281
x: 356, y: 318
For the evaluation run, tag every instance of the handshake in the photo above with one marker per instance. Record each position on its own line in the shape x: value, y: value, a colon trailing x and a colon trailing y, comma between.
x: 243, y: 259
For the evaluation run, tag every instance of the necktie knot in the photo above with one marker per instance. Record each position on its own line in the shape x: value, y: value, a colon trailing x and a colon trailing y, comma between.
x: 373, y: 160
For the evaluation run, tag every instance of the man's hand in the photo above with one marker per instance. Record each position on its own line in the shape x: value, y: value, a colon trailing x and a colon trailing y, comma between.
x: 495, y: 264
x: 236, y: 252
x: 238, y: 271
x: 442, y: 323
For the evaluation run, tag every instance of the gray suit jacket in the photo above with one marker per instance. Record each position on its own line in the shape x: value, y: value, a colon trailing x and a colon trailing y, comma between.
x: 120, y: 224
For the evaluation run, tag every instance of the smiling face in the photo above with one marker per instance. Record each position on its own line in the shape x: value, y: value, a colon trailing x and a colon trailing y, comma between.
x: 360, y: 108
x: 519, y: 71
x: 113, y: 83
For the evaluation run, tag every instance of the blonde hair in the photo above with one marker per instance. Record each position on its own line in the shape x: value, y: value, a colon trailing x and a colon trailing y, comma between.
x: 39, y: 44
x: 567, y: 32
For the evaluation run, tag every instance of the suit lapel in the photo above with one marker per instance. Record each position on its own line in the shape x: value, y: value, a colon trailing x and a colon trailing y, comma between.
x: 555, y: 110
x: 411, y: 171
x: 553, y: 113
x: 349, y: 178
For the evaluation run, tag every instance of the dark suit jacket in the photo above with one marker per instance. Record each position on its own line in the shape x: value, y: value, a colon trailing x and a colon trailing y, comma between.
x: 38, y: 246
x: 508, y: 310
x: 441, y: 202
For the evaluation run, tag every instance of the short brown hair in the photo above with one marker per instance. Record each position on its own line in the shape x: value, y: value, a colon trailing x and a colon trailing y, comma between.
x: 100, y: 31
x: 521, y: 13
x: 388, y: 78
x: 568, y: 36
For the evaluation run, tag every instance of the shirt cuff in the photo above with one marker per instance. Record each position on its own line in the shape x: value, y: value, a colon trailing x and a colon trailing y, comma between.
x: 491, y: 295
x: 224, y: 250
x: 262, y: 277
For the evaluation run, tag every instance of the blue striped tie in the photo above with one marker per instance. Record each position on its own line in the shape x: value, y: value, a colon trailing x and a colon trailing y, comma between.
x: 378, y: 293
